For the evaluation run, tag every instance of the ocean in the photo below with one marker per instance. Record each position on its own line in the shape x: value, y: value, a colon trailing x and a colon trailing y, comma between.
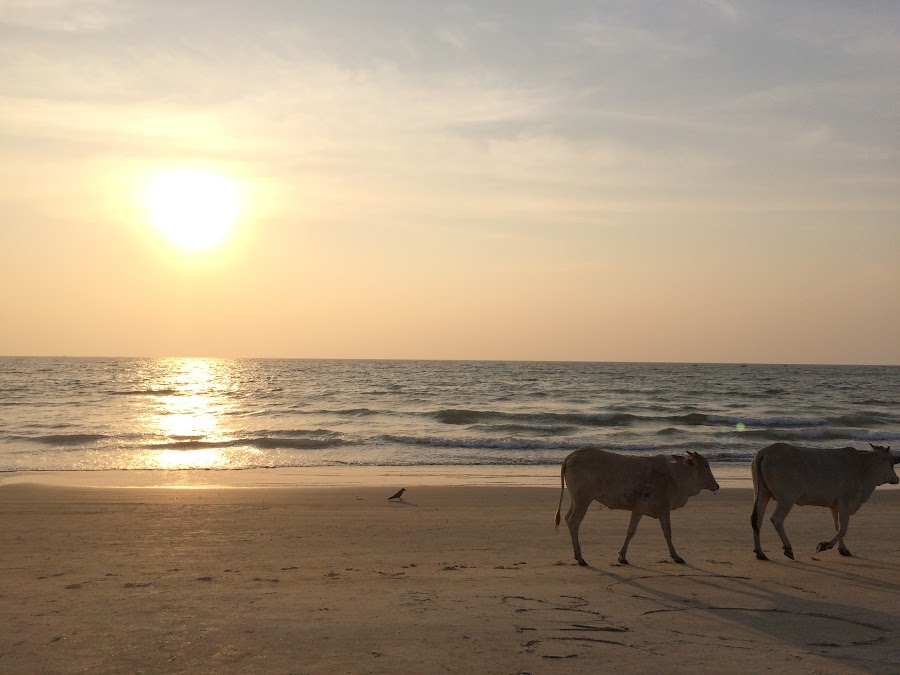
x: 93, y: 414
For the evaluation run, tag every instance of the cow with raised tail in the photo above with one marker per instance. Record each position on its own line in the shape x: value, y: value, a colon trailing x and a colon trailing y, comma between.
x: 841, y: 479
x: 646, y: 486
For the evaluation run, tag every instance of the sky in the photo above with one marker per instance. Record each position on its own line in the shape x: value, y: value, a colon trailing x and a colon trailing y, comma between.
x: 690, y: 180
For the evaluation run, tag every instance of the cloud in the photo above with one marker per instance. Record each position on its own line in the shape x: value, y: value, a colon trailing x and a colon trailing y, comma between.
x: 725, y: 8
x: 451, y: 38
x: 814, y: 137
x: 612, y: 37
x: 69, y: 16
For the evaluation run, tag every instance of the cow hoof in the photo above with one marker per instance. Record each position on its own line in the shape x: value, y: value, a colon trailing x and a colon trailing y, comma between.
x: 678, y: 559
x: 845, y: 552
x: 622, y: 560
x: 760, y: 555
x: 789, y: 553
x: 582, y: 563
x: 823, y: 546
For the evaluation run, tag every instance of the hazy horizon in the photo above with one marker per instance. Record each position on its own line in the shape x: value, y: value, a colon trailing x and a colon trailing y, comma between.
x: 176, y: 357
x: 702, y: 181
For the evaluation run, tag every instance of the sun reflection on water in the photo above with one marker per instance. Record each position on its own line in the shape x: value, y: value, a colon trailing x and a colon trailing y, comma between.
x: 206, y: 458
x: 191, y: 412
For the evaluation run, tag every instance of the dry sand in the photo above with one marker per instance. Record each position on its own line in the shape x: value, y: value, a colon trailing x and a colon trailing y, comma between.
x: 453, y: 579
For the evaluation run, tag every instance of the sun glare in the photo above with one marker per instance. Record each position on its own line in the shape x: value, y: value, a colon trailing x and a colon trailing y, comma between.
x: 195, y: 210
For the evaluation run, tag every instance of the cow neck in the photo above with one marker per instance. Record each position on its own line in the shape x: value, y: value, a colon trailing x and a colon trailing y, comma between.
x: 871, y: 461
x: 686, y: 485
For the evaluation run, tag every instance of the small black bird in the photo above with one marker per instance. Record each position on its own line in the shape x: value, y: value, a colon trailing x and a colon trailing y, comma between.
x: 399, y: 495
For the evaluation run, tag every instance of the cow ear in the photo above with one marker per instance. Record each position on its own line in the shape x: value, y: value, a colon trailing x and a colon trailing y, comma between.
x: 678, y: 458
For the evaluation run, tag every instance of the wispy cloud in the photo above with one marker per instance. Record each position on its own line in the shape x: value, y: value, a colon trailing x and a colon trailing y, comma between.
x: 725, y: 8
x: 69, y: 16
x: 613, y: 37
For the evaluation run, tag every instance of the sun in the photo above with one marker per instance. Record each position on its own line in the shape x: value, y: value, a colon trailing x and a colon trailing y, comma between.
x: 194, y: 209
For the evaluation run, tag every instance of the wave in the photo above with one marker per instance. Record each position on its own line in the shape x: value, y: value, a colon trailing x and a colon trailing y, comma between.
x: 145, y: 392
x: 876, y: 401
x: 539, y: 429
x: 457, y: 416
x: 298, y: 409
x: 530, y: 445
x: 275, y: 439
x: 482, y: 443
x: 555, y: 421
x: 351, y: 412
x: 261, y: 442
x: 704, y: 419
x: 465, y: 417
x: 669, y: 431
x: 863, y: 419
x: 816, y: 435
x: 64, y: 439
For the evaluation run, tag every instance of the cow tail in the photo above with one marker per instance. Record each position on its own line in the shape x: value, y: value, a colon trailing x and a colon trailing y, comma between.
x: 562, y: 491
x: 758, y: 481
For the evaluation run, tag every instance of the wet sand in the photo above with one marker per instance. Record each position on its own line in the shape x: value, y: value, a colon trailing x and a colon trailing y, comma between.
x: 453, y: 579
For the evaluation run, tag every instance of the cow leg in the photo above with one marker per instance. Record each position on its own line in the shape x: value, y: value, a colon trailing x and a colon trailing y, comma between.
x: 573, y: 520
x: 759, y: 512
x: 666, y: 525
x: 841, y: 521
x: 632, y: 528
x: 842, y: 548
x: 781, y: 511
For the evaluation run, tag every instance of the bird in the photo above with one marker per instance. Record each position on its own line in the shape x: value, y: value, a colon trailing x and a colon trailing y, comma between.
x: 398, y: 495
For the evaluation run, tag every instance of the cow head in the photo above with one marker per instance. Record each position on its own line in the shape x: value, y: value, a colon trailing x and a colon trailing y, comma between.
x: 700, y: 470
x: 887, y: 475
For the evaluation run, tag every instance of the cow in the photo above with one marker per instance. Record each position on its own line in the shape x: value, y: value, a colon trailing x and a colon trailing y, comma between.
x: 841, y: 479
x: 646, y: 486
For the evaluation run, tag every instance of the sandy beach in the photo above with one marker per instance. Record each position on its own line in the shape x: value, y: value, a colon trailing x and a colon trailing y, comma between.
x: 453, y: 579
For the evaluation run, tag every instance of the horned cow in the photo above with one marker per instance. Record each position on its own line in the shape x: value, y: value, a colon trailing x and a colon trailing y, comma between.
x: 841, y: 479
x: 646, y: 486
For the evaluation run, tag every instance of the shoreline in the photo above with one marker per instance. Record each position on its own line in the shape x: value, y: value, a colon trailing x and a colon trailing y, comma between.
x: 727, y: 474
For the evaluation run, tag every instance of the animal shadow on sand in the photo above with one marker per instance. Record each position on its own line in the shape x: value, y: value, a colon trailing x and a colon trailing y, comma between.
x: 712, y: 608
x: 882, y: 572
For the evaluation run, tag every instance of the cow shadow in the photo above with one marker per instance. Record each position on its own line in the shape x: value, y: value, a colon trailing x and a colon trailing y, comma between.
x: 877, y: 583
x: 713, y: 607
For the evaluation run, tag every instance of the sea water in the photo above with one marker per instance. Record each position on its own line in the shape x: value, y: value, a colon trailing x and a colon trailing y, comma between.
x: 76, y: 414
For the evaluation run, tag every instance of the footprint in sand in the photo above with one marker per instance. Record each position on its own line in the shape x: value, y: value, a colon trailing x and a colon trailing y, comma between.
x: 562, y: 628
x: 419, y: 602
